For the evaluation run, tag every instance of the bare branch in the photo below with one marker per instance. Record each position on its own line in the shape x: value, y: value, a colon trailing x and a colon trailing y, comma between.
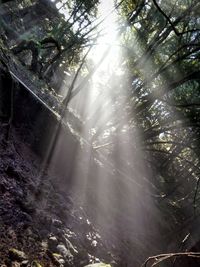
x: 162, y: 257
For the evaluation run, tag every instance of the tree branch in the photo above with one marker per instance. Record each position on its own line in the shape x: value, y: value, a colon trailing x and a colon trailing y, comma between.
x: 162, y: 257
x: 170, y: 22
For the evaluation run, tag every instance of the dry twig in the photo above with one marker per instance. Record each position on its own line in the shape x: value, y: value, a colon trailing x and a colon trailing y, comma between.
x: 162, y: 257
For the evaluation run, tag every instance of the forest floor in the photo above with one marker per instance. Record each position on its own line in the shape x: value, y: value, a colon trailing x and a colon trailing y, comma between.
x: 39, y: 224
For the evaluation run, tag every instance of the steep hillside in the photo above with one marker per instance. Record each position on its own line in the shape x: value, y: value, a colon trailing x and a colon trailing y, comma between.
x: 40, y: 224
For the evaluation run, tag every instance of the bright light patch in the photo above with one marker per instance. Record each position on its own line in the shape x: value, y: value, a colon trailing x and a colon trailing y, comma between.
x: 105, y: 123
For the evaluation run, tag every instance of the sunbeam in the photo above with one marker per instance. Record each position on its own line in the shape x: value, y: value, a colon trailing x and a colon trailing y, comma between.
x: 106, y: 94
x: 110, y: 186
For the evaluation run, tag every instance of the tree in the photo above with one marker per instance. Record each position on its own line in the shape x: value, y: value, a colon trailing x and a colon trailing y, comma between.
x: 57, y: 40
x: 159, y: 94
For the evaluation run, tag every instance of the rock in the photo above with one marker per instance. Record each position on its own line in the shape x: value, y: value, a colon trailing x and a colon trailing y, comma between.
x: 64, y: 251
x: 56, y: 223
x: 17, y: 255
x: 28, y: 231
x: 44, y: 245
x: 101, y: 264
x: 58, y: 258
x: 56, y: 231
x: 52, y: 243
x: 15, y: 264
x: 61, y: 261
x: 11, y: 233
x: 69, y: 245
x: 43, y: 233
